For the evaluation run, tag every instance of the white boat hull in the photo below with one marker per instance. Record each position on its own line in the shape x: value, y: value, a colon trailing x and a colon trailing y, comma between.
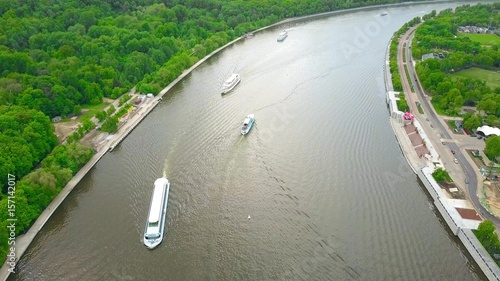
x: 230, y: 83
x: 155, y: 224
x: 247, y: 124
x: 282, y: 36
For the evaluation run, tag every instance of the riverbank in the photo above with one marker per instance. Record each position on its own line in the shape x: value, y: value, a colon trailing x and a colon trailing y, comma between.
x: 459, y: 215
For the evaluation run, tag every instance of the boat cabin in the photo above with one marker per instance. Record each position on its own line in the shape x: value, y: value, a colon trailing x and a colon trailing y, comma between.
x: 153, y: 229
x: 231, y: 80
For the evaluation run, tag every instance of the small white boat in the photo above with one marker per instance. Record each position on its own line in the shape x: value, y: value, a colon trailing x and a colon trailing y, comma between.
x: 247, y: 124
x: 230, y: 83
x: 383, y: 14
x: 282, y: 36
x: 155, y: 226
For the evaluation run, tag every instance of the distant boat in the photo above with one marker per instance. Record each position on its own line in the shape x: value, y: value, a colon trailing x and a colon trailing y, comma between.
x: 383, y: 14
x: 282, y: 36
x: 230, y: 83
x: 247, y: 124
x: 155, y: 225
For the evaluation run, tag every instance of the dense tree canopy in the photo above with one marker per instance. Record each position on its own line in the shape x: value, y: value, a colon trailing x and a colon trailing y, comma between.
x: 26, y: 136
x: 439, y: 35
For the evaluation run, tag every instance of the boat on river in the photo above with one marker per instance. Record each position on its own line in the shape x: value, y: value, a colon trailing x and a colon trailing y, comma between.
x: 155, y: 225
x: 282, y: 36
x: 247, y: 124
x: 230, y: 83
x: 383, y: 14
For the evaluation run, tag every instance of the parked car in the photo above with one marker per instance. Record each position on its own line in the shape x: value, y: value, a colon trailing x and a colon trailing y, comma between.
x: 453, y: 151
x: 455, y: 160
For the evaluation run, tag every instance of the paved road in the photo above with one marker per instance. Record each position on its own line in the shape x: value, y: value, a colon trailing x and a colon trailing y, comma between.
x: 441, y: 138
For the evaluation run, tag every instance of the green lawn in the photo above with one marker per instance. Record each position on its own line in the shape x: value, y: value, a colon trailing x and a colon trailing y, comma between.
x: 484, y: 39
x: 492, y: 78
x: 451, y: 124
x: 93, y: 109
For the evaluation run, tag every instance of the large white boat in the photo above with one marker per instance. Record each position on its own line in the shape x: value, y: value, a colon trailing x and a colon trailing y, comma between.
x: 282, y: 36
x: 155, y: 226
x: 247, y: 124
x: 230, y: 83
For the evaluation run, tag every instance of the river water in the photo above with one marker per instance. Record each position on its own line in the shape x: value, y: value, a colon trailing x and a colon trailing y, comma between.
x: 318, y: 190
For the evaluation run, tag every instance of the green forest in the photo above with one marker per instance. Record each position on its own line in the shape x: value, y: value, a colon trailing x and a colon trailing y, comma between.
x: 59, y: 57
x: 440, y: 34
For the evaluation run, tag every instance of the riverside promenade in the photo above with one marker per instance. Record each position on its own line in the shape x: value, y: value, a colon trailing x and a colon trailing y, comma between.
x: 460, y: 215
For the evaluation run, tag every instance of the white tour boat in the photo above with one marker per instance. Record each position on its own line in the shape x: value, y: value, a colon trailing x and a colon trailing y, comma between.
x: 282, y: 36
x: 155, y: 226
x: 247, y: 124
x: 230, y: 83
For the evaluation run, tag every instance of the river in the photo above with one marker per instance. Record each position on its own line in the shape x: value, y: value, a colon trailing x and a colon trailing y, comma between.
x: 318, y: 190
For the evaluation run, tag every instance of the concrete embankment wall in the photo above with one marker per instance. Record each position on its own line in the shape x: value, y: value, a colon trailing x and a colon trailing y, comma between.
x: 454, y: 221
x: 448, y: 212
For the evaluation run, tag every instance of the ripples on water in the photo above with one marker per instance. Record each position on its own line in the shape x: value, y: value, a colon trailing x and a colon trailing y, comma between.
x: 318, y: 190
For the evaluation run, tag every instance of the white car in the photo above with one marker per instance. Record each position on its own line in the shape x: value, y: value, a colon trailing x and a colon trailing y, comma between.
x: 455, y: 160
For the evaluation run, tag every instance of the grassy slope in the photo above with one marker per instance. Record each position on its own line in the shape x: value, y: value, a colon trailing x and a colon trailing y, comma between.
x: 484, y: 39
x: 492, y: 78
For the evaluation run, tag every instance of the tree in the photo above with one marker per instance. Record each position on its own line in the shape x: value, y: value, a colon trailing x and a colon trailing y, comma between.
x: 101, y: 115
x: 488, y: 105
x: 471, y: 122
x: 111, y: 110
x: 42, y: 178
x: 441, y: 175
x: 492, y: 149
x: 485, y: 233
x: 110, y: 125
